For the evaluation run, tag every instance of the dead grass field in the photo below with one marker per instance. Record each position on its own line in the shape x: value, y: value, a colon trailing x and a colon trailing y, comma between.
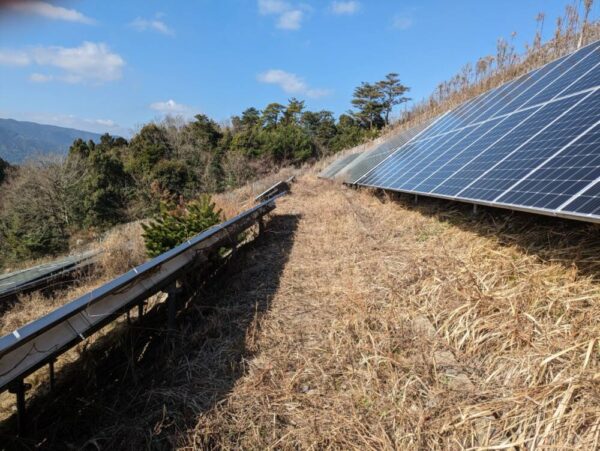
x: 359, y: 321
x: 420, y: 327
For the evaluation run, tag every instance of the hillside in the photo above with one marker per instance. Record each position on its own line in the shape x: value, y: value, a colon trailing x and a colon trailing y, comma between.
x: 20, y: 140
x: 360, y: 321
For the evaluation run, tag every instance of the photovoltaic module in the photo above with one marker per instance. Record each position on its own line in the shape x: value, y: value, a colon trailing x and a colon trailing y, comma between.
x: 531, y: 144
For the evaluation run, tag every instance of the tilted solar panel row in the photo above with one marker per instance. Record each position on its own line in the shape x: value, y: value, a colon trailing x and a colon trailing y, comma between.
x: 531, y: 144
x: 349, y: 168
x: 371, y: 158
x: 332, y: 170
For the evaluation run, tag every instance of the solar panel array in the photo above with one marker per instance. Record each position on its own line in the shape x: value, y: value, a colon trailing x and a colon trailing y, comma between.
x: 349, y: 168
x: 330, y: 171
x: 371, y: 158
x: 531, y: 144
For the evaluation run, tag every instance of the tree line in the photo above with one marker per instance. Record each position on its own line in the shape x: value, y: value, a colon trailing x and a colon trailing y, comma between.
x: 47, y: 204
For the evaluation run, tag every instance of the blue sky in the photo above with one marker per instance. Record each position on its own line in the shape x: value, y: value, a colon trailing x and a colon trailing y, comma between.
x: 112, y: 66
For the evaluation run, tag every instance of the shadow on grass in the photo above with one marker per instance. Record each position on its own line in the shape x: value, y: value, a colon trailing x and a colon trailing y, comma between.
x: 574, y: 244
x: 138, y: 387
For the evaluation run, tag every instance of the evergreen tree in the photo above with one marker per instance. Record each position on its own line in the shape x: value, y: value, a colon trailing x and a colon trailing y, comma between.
x: 174, y: 226
x: 146, y: 149
x: 293, y: 111
x: 271, y: 115
x: 392, y: 91
x: 369, y: 100
x: 4, y: 168
x: 321, y: 127
x: 206, y: 132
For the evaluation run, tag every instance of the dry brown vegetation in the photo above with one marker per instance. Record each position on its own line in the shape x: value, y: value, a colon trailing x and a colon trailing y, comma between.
x: 362, y: 321
x: 420, y: 327
x: 122, y: 249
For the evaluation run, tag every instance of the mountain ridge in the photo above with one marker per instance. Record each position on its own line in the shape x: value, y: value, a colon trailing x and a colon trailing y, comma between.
x: 21, y: 140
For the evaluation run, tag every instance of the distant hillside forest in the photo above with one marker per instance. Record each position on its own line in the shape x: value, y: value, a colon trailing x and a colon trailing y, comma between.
x: 46, y: 204
x: 21, y: 140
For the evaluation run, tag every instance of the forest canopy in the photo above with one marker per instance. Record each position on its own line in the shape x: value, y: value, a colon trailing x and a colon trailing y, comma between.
x: 44, y: 204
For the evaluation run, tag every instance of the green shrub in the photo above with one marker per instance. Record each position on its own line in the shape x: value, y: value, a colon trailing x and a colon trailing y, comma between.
x: 174, y: 226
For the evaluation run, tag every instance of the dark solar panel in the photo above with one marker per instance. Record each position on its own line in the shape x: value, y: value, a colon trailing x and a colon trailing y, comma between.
x: 371, y: 158
x: 532, y: 144
x: 578, y: 74
x: 587, y: 203
x: 558, y: 131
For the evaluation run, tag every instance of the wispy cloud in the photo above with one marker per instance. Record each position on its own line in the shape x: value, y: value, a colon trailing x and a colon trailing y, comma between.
x: 290, y: 20
x: 101, y: 125
x: 289, y: 17
x: 108, y: 123
x: 90, y: 62
x: 401, y: 22
x: 272, y: 6
x: 14, y: 58
x: 345, y: 8
x: 291, y: 83
x: 50, y: 11
x: 40, y: 78
x: 156, y: 24
x: 170, y: 107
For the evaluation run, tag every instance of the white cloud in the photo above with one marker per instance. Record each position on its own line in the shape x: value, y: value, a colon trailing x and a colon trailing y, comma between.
x: 289, y: 16
x: 266, y: 7
x: 402, y: 22
x: 348, y: 8
x: 50, y: 11
x: 290, y: 20
x: 40, y: 78
x: 290, y: 83
x: 170, y: 107
x: 70, y: 121
x: 90, y: 62
x: 155, y: 24
x: 109, y: 123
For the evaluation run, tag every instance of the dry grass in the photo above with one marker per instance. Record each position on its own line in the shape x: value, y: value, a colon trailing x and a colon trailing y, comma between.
x: 235, y: 201
x: 343, y: 360
x: 122, y: 249
x: 364, y: 322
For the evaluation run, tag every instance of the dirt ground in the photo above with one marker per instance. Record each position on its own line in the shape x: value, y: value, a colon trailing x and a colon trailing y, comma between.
x: 357, y: 321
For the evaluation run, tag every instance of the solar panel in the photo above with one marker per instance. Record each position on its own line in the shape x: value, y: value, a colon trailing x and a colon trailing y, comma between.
x: 330, y: 171
x: 531, y: 144
x: 371, y: 158
x: 586, y: 203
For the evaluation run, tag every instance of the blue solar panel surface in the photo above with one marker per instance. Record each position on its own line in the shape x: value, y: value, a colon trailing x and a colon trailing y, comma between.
x: 530, y: 144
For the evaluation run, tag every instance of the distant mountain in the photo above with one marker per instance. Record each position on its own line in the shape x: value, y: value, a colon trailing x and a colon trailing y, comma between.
x: 20, y: 140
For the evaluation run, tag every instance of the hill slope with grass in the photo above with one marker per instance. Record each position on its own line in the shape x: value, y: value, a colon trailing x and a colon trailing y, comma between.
x: 364, y: 321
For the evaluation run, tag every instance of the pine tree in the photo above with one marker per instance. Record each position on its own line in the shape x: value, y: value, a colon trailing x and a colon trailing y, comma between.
x: 174, y: 226
x: 392, y: 91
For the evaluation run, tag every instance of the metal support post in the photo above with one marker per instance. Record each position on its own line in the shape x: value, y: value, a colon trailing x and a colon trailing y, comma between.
x: 261, y: 225
x: 19, y: 388
x: 52, y: 378
x: 172, y: 306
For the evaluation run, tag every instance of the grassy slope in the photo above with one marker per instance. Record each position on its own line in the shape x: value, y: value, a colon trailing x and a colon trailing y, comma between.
x: 421, y: 327
x: 363, y: 322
